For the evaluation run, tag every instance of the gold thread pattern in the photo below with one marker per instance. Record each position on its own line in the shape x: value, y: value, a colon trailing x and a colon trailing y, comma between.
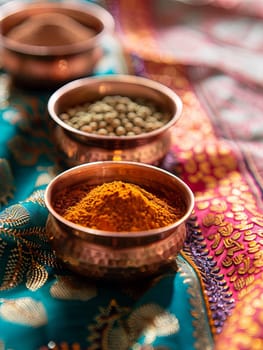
x: 15, y: 216
x: 27, y: 252
x: 202, y: 336
x: 72, y: 288
x: 120, y: 327
x: 37, y: 197
x: 243, y: 329
x: 237, y: 239
x: 25, y: 311
x: 36, y: 277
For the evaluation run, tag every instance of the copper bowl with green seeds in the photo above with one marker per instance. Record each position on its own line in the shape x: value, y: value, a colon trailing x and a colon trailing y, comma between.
x: 113, y: 117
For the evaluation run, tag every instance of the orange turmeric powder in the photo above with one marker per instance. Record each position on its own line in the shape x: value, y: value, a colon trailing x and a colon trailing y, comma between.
x: 118, y: 206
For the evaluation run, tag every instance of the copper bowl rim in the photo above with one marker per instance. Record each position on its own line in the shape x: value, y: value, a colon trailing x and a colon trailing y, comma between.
x: 82, y: 230
x: 96, y: 11
x: 122, y: 79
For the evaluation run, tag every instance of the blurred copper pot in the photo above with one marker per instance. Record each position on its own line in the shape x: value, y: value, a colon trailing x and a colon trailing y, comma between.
x: 47, y: 66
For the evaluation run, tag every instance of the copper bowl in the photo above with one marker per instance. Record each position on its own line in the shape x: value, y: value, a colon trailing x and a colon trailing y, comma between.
x: 118, y: 255
x: 75, y: 147
x: 48, y: 66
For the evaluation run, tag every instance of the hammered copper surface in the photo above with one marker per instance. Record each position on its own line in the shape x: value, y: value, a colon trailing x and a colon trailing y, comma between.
x: 117, y: 255
x: 76, y: 147
x: 41, y: 66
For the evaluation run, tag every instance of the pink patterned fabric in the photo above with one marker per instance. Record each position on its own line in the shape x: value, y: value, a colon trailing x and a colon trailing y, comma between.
x: 211, y: 55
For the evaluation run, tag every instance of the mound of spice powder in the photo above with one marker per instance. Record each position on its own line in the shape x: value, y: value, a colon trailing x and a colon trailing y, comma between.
x: 117, y: 206
x: 50, y: 29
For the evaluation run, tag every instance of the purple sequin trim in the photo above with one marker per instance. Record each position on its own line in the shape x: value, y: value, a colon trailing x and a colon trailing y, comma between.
x: 220, y: 298
x: 216, y: 289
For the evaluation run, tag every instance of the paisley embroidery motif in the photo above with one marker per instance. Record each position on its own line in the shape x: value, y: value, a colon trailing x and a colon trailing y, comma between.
x: 45, y: 177
x: 73, y: 288
x: 37, y: 197
x: 36, y: 276
x: 119, y: 329
x: 151, y: 321
x: 26, y: 311
x: 104, y: 322
x: 24, y: 249
x: 14, y: 216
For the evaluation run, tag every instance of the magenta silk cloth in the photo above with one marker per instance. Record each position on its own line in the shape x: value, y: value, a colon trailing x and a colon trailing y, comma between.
x: 210, y: 53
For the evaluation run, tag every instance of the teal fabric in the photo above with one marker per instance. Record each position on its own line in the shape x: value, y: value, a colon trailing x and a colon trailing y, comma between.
x: 30, y: 315
x: 44, y: 306
x: 48, y: 305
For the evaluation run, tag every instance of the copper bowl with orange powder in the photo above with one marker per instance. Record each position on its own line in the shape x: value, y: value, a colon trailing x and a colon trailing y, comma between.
x: 117, y: 255
x: 48, y: 43
x: 75, y: 147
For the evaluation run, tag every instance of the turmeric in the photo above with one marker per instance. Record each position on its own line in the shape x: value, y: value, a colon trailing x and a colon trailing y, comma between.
x: 117, y: 206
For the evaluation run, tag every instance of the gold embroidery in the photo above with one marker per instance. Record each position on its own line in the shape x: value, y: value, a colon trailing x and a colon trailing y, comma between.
x: 121, y: 328
x: 37, y: 197
x: 36, y: 276
x: 213, y: 219
x: 204, y: 167
x: 100, y: 331
x: 257, y: 220
x: 243, y: 270
x: 247, y: 235
x: 219, y: 251
x: 151, y: 321
x: 241, y: 217
x: 243, y: 329
x: 229, y: 208
x: 218, y: 206
x: 239, y: 283
x: 235, y: 247
x: 15, y: 216
x: 73, y: 288
x: 25, y: 253
x: 254, y: 249
x: 191, y: 167
x: 227, y: 262
x: 25, y: 311
x: 202, y: 205
x: 236, y: 235
x: 237, y: 207
x: 243, y: 226
x: 13, y: 269
x: 43, y: 179
x: 216, y: 241
x: 259, y: 260
x: 226, y: 230
x: 237, y: 259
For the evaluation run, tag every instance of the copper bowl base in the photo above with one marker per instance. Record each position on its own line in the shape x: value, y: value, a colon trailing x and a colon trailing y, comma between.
x: 118, y: 256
